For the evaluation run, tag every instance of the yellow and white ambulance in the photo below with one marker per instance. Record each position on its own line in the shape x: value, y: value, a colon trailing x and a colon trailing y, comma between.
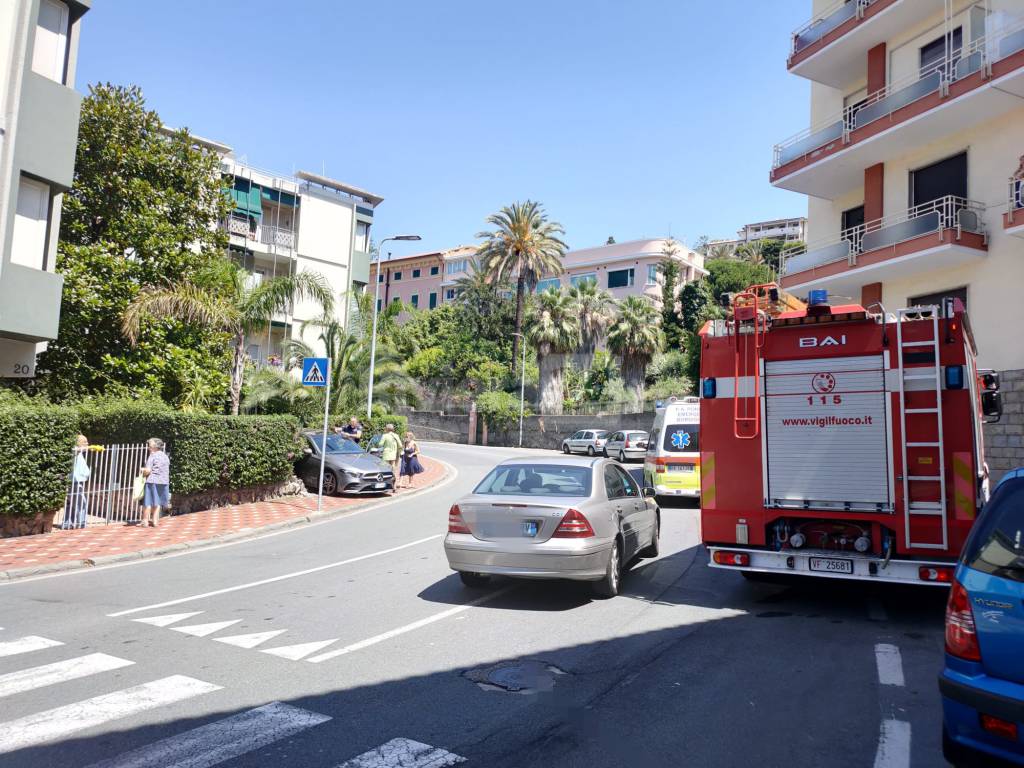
x: 672, y: 463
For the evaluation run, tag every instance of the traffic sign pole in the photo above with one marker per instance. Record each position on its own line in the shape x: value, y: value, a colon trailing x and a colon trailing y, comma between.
x: 323, y: 444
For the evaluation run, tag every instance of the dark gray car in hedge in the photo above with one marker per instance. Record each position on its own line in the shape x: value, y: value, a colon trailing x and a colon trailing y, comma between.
x: 347, y: 467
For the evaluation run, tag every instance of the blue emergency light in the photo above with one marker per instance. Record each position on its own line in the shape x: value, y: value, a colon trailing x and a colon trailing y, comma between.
x: 817, y: 297
x: 708, y: 388
x: 954, y: 377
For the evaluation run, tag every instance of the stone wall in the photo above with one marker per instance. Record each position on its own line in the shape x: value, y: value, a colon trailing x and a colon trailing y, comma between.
x: 1004, y: 442
x: 538, y: 431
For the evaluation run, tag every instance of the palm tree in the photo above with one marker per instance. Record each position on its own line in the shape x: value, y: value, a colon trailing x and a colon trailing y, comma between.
x: 596, y: 309
x: 753, y: 252
x: 227, y: 299
x: 362, y: 317
x: 554, y: 329
x: 635, y: 337
x: 721, y: 251
x: 525, y: 246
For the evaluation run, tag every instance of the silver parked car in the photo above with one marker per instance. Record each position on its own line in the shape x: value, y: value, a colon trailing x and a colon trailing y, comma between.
x: 625, y: 445
x: 558, y: 518
x: 588, y: 441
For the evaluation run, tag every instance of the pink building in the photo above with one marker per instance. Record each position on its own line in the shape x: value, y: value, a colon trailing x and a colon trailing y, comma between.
x: 420, y: 280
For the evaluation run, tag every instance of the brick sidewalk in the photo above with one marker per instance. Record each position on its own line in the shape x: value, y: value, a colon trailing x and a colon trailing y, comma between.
x: 116, y: 539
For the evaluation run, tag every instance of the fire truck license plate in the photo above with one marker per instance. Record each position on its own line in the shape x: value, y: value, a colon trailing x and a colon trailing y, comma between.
x: 831, y: 565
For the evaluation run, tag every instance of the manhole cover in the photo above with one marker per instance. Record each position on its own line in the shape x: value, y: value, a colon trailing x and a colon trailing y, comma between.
x: 525, y: 677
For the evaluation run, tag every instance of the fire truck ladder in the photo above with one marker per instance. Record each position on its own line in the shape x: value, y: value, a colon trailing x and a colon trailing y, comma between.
x: 748, y: 308
x: 931, y: 376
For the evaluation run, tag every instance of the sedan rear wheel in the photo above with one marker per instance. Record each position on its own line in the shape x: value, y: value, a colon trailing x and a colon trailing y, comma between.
x: 330, y: 483
x: 608, y: 586
x: 475, y: 580
x: 652, y: 549
x: 622, y: 457
x: 565, y: 448
x: 590, y: 450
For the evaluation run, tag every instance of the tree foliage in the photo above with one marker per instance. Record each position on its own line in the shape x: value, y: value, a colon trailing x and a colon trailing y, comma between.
x: 553, y: 328
x: 671, y: 321
x: 635, y: 337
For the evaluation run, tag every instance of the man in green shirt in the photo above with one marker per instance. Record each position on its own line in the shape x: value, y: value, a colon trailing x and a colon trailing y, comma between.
x: 391, y: 448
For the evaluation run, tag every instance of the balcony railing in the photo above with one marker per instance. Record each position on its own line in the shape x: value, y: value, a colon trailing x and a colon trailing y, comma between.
x: 826, y: 21
x: 261, y: 233
x: 1015, y: 198
x: 948, y: 212
x: 936, y: 78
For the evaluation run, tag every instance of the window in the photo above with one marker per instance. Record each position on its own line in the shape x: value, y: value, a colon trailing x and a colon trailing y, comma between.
x: 380, y: 304
x: 380, y: 278
x: 929, y: 299
x: 434, y: 270
x: 933, y: 55
x: 995, y: 546
x: 682, y: 438
x: 652, y: 274
x: 454, y: 267
x: 551, y: 282
x: 449, y: 294
x: 590, y: 277
x: 628, y: 483
x: 253, y: 352
x: 536, y: 479
x: 30, y: 224
x: 935, y: 181
x: 432, y: 301
x: 415, y: 273
x: 415, y: 300
x: 577, y: 436
x: 852, y: 217
x: 613, y: 483
x: 396, y: 276
x: 396, y: 299
x: 362, y: 243
x: 620, y: 278
x: 652, y: 443
x: 50, y: 52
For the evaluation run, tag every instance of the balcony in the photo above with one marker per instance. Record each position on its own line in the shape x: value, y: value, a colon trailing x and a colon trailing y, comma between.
x: 977, y: 83
x: 934, y: 235
x: 830, y: 48
x: 1013, y: 219
x: 275, y: 238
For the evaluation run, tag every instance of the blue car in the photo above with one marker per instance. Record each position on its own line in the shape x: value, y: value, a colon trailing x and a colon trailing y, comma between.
x: 982, y: 684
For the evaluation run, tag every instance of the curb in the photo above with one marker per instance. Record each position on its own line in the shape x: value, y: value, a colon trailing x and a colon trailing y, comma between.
x: 16, y: 574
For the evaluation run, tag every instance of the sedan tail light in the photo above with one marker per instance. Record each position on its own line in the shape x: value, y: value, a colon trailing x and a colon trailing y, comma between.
x: 455, y: 522
x: 573, y: 526
x: 961, y: 634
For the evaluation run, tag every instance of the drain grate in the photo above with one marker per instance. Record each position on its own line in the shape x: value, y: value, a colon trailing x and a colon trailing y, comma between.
x: 524, y: 677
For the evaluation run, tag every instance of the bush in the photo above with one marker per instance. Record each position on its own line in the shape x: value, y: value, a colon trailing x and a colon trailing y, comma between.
x: 499, y: 409
x: 36, y: 443
x: 207, y: 452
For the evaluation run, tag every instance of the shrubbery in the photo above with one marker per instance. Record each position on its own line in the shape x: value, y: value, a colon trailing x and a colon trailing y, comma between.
x: 207, y: 452
x: 372, y: 426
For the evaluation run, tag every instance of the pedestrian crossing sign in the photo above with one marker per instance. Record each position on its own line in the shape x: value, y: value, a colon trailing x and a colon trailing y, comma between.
x: 314, y: 371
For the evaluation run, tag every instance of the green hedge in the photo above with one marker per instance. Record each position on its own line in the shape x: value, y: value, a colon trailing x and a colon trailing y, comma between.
x: 36, y: 445
x: 207, y: 452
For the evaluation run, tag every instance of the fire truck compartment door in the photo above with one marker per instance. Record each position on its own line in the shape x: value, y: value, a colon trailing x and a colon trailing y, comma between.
x: 826, y: 433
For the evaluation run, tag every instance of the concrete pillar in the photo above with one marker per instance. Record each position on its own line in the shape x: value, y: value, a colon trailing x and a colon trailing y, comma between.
x: 471, y: 428
x: 874, y: 191
x: 871, y: 294
x: 876, y: 68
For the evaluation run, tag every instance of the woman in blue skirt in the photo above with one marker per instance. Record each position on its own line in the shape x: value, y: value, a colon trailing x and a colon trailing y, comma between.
x: 410, y: 460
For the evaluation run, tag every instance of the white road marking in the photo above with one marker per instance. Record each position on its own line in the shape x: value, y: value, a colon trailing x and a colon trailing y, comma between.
x: 167, y: 619
x: 251, y: 640
x: 202, y: 630
x: 876, y: 611
x: 893, y: 745
x: 404, y: 753
x: 58, y: 672
x: 300, y: 651
x: 890, y: 664
x: 409, y: 627
x: 222, y: 740
x: 27, y: 644
x: 61, y: 722
x: 273, y: 579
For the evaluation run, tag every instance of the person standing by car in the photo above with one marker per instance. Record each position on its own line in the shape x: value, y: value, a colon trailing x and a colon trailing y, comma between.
x: 76, y: 506
x: 353, y: 430
x: 411, y: 465
x: 391, y: 448
x: 158, y: 479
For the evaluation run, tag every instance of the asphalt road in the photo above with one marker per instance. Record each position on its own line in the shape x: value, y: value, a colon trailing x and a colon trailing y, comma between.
x: 349, y: 641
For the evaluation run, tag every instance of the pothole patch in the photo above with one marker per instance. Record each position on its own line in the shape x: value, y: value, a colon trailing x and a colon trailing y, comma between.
x: 525, y: 677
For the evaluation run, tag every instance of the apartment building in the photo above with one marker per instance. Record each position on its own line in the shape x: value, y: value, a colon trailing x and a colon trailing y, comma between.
x: 788, y: 230
x: 425, y: 280
x: 38, y: 140
x: 284, y: 225
x: 917, y: 126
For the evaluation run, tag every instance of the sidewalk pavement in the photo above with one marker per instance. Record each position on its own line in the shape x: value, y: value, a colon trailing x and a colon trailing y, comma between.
x: 102, y: 544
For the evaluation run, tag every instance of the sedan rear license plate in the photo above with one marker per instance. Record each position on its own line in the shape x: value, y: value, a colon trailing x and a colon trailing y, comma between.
x: 831, y: 565
x: 530, y: 528
x: 380, y: 485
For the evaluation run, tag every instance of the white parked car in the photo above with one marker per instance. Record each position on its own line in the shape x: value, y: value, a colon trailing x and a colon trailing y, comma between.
x: 588, y: 441
x: 626, y: 445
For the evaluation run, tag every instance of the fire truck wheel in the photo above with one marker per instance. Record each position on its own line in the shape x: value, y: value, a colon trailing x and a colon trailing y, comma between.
x: 652, y: 549
x: 609, y: 585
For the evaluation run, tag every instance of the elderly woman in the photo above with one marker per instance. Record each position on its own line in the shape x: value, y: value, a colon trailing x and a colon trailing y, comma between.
x: 158, y: 478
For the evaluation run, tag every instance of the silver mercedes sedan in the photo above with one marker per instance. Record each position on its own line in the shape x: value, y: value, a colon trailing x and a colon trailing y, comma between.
x: 553, y: 518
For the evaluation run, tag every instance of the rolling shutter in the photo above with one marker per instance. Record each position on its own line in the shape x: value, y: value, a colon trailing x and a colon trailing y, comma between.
x: 826, y: 433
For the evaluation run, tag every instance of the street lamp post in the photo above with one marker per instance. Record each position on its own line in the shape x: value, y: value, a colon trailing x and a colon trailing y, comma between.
x: 522, y: 386
x: 376, y: 301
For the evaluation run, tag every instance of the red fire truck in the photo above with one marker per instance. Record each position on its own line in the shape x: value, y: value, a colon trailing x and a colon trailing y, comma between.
x: 840, y: 442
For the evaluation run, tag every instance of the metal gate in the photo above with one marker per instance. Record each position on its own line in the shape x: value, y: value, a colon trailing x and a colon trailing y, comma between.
x: 106, y: 496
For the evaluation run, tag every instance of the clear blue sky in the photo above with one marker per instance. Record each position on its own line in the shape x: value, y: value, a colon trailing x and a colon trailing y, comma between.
x: 628, y: 119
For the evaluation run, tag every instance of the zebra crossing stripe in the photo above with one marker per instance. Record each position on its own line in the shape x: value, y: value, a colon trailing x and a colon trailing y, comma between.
x: 167, y: 619
x: 27, y: 644
x: 300, y: 651
x: 404, y: 753
x: 222, y: 740
x: 61, y: 722
x: 202, y: 630
x: 59, y: 672
x: 252, y: 640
